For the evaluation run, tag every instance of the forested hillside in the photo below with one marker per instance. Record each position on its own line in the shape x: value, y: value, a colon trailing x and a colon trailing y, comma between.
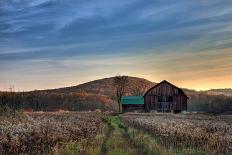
x: 100, y: 94
x: 106, y: 87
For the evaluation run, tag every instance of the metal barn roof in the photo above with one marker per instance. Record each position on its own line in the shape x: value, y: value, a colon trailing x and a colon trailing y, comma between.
x: 132, y: 100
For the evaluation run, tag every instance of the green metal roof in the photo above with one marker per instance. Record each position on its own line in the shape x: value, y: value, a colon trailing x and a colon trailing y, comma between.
x: 132, y: 100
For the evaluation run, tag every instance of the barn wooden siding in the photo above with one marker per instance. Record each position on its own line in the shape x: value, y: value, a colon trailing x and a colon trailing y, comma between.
x: 165, y: 97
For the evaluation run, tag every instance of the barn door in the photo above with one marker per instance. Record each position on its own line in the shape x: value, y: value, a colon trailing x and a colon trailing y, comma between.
x: 165, y: 103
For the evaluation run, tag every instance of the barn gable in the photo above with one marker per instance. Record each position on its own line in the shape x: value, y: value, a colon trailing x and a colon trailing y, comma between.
x: 165, y: 82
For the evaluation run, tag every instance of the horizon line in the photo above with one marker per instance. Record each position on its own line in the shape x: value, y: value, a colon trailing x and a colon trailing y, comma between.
x: 60, y: 87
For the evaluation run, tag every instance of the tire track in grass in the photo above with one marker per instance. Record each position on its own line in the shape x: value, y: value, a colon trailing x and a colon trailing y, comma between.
x: 104, y: 145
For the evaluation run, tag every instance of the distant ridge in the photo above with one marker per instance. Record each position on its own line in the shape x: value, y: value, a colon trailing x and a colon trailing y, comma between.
x: 104, y: 86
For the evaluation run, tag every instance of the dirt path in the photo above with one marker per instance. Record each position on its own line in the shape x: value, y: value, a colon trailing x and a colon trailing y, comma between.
x: 107, y: 137
x: 117, y: 140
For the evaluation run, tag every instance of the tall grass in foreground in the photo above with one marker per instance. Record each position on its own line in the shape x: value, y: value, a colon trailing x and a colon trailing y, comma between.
x: 179, y: 132
x: 51, y: 133
x: 151, y: 146
x: 91, y: 133
x: 138, y: 142
x: 91, y: 146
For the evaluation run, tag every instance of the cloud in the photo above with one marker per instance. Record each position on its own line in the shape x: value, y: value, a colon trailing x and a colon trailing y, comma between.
x: 182, y: 68
x: 59, y: 14
x: 9, y: 6
x: 42, y: 39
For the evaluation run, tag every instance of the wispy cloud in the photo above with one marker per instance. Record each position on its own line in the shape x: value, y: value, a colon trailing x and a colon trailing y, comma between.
x: 46, y: 39
x: 59, y: 14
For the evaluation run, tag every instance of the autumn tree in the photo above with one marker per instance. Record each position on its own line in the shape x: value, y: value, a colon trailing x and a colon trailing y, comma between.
x: 120, y: 84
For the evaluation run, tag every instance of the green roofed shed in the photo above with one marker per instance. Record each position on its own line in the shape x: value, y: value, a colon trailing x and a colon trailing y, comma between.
x: 132, y: 100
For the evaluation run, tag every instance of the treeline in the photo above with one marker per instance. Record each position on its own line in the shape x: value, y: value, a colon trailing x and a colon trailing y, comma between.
x: 47, y: 101
x: 210, y: 103
x: 43, y: 101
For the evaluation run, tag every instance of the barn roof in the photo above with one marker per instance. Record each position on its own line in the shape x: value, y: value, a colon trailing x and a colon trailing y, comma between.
x: 132, y: 100
x: 164, y: 81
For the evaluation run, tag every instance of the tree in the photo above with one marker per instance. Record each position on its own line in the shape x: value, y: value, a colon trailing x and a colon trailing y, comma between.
x: 120, y: 84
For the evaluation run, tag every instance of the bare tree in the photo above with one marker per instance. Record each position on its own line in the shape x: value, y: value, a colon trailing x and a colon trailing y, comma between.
x: 120, y: 84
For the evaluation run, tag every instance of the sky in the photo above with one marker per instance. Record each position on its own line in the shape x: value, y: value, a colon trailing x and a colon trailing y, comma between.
x: 59, y: 43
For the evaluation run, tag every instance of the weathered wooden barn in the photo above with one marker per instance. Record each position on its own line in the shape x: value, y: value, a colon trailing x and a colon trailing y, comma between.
x: 163, y: 97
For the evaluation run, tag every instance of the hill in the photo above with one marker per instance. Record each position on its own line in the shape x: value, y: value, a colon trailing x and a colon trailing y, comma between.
x: 97, y: 94
x: 226, y: 92
x: 105, y: 87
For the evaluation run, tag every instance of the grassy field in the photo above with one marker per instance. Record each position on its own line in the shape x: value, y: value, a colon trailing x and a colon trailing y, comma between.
x: 92, y: 133
x: 195, y: 133
x: 51, y: 133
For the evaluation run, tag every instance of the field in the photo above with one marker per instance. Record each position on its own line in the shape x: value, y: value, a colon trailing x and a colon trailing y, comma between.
x: 202, y: 132
x: 97, y: 133
x: 49, y: 133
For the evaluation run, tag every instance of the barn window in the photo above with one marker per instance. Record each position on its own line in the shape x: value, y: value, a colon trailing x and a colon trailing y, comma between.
x: 170, y: 98
x: 162, y: 98
x: 165, y: 98
x: 159, y: 98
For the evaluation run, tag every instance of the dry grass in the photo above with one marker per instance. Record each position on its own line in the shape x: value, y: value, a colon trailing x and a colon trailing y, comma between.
x: 198, y: 131
x: 85, y: 133
x: 45, y: 133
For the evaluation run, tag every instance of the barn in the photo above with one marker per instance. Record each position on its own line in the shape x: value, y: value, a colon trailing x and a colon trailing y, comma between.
x: 163, y: 97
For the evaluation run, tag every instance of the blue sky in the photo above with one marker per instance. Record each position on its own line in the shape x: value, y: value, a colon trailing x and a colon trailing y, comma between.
x: 56, y: 43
